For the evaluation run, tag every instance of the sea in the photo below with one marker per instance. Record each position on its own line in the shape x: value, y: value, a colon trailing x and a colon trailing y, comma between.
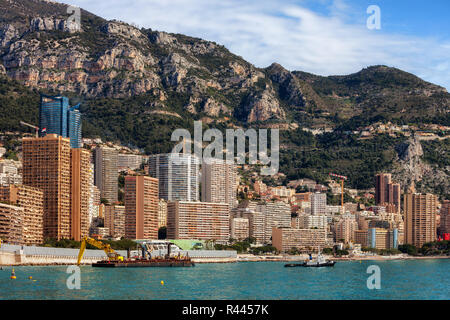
x: 349, y: 280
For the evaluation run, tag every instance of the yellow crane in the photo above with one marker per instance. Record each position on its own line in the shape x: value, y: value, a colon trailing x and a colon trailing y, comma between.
x: 112, y: 255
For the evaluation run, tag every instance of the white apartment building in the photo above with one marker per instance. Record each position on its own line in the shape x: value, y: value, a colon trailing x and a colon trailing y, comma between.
x: 318, y: 204
x: 178, y: 176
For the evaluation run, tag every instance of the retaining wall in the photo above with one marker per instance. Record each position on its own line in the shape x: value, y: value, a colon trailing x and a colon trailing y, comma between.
x: 31, y: 255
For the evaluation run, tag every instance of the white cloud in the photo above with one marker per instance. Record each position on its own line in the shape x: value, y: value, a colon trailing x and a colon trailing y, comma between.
x: 266, y: 31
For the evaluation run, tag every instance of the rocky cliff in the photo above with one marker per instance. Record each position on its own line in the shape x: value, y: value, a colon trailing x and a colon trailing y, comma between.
x: 410, y: 168
x: 115, y: 60
x: 112, y: 59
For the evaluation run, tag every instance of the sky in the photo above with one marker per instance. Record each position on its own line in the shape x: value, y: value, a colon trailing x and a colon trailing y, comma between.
x: 325, y: 37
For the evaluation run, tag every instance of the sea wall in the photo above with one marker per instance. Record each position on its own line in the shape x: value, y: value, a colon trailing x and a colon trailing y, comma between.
x: 7, y: 258
x: 31, y: 255
x: 214, y: 260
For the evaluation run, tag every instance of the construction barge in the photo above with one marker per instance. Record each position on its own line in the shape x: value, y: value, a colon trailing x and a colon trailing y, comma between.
x: 184, y: 262
x: 146, y: 259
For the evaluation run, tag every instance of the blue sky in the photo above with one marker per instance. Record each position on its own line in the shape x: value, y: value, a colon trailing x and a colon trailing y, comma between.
x: 325, y: 37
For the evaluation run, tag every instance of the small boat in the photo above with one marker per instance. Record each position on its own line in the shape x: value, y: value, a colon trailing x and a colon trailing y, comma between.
x: 319, y: 262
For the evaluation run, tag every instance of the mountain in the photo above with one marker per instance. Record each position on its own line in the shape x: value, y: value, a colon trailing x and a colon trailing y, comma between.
x: 111, y: 59
x: 137, y: 85
x: 381, y: 93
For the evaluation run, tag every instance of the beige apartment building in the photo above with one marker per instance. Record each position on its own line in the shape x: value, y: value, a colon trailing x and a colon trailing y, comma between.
x: 32, y: 201
x: 282, y: 192
x: 345, y: 229
x: 162, y: 213
x: 141, y: 207
x: 219, y: 181
x: 9, y: 172
x: 256, y: 219
x: 380, y: 238
x: 129, y: 161
x: 239, y: 228
x: 362, y: 237
x: 318, y: 204
x: 260, y: 187
x: 80, y: 177
x: 198, y: 220
x: 420, y: 218
x: 115, y: 220
x: 263, y: 217
x: 284, y: 239
x: 106, y: 173
x: 11, y: 223
x: 308, y: 221
x: 47, y: 166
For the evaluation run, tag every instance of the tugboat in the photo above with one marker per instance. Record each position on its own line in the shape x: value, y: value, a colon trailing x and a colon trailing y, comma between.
x: 319, y: 262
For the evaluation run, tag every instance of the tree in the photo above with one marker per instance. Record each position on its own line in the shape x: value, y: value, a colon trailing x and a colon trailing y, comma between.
x: 250, y: 240
x: 342, y: 253
x: 409, y: 249
x: 264, y: 249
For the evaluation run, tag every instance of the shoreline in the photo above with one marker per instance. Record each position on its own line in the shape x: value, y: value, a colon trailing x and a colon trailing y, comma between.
x: 248, y: 258
x: 252, y: 258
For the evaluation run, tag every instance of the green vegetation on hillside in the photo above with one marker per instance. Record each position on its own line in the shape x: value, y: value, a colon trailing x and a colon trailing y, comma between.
x: 17, y: 103
x: 302, y: 155
x: 380, y: 93
x: 437, y: 152
x: 314, y: 157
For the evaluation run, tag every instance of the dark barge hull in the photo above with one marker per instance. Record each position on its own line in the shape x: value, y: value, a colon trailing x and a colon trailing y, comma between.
x: 141, y: 264
x: 292, y: 265
x: 328, y: 264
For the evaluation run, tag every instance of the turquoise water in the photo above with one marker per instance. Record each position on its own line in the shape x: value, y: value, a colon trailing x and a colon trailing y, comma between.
x: 413, y: 279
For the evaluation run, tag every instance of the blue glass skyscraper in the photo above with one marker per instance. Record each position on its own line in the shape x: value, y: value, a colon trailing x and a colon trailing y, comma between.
x: 53, y: 115
x: 74, y: 126
x: 56, y: 116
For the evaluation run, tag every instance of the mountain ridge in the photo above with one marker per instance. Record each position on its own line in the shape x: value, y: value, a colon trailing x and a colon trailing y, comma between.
x: 113, y: 59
